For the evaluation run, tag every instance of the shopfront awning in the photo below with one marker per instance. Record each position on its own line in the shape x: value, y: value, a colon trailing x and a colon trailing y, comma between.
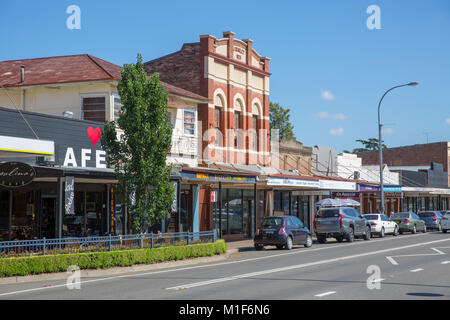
x: 11, y: 147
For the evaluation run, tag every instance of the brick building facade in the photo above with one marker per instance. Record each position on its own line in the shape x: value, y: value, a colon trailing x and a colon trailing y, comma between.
x: 415, y: 155
x: 235, y: 78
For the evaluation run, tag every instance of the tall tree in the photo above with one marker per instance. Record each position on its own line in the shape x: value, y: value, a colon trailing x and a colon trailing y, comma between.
x: 370, y: 144
x: 137, y: 146
x: 280, y: 119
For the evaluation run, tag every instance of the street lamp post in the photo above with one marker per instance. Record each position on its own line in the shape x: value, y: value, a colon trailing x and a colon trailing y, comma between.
x: 380, y: 149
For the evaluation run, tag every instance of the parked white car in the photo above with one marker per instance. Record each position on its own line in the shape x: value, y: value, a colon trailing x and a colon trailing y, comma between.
x: 380, y: 224
x: 445, y: 221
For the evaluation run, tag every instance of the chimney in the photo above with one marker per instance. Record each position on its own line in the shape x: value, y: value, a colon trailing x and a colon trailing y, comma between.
x: 22, y: 74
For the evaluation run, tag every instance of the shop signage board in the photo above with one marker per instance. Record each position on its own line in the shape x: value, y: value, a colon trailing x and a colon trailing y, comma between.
x: 69, y: 196
x: 369, y: 188
x: 67, y: 142
x: 392, y: 189
x: 286, y: 182
x: 346, y: 195
x: 16, y: 174
x: 212, y: 177
x: 337, y: 185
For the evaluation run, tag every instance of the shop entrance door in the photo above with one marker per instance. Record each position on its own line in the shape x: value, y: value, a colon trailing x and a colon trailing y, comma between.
x: 48, y: 217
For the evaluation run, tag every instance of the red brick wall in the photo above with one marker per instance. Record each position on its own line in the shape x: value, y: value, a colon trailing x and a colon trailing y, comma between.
x: 416, y: 155
x: 181, y: 68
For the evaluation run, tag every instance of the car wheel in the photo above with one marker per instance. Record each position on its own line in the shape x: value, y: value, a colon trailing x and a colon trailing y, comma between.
x: 424, y: 229
x: 289, y: 243
x: 309, y: 241
x: 401, y: 232
x: 340, y: 238
x: 381, y: 234
x: 259, y: 247
x: 368, y: 234
x: 444, y: 230
x: 350, y: 236
x: 321, y: 238
x: 280, y: 246
x: 395, y: 231
x: 414, y: 230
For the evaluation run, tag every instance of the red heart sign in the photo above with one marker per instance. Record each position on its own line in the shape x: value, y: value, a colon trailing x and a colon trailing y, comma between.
x: 94, y: 134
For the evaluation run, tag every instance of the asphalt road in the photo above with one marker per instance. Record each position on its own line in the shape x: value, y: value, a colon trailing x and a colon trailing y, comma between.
x: 393, y: 268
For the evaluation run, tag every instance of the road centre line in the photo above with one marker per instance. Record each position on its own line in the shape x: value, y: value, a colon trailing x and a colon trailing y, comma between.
x: 202, y: 266
x: 299, y: 266
x: 416, y: 270
x: 325, y: 294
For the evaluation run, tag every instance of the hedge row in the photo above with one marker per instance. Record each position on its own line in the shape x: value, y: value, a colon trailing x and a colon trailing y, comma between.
x: 103, y: 260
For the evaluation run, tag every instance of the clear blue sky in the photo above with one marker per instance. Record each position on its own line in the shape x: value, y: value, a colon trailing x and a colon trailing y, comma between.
x: 327, y: 66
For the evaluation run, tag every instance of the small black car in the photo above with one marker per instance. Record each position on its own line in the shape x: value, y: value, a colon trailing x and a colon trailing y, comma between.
x: 284, y: 231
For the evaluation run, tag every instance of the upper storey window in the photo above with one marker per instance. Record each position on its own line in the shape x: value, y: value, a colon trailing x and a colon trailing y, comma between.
x: 94, y: 108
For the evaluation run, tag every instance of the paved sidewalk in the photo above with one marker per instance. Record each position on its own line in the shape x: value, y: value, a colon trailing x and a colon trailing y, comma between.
x: 240, y: 245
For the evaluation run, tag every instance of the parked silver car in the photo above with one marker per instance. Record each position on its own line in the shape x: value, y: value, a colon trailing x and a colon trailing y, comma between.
x: 340, y: 223
x: 432, y: 219
x: 445, y: 221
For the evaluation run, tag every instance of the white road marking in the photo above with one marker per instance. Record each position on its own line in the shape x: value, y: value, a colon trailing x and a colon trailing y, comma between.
x: 416, y: 270
x: 445, y: 262
x: 325, y: 294
x: 206, y: 266
x: 298, y: 266
x: 439, y: 252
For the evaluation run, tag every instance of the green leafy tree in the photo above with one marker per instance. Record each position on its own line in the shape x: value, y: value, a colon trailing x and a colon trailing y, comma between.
x: 280, y: 119
x: 137, y: 145
x: 370, y: 144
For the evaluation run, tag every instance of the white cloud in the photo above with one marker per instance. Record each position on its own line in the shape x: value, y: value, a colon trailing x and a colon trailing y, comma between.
x: 447, y: 120
x: 337, y: 132
x: 327, y: 95
x: 329, y: 115
x: 388, y: 131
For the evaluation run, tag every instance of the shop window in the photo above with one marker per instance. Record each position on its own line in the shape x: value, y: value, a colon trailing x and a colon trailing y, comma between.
x: 4, y: 215
x: 94, y: 108
x: 23, y: 220
x: 235, y: 211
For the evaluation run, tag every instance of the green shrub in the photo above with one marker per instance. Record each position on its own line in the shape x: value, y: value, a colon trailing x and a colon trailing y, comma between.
x: 22, y: 266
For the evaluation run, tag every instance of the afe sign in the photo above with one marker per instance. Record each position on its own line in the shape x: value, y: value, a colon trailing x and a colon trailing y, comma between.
x: 16, y: 174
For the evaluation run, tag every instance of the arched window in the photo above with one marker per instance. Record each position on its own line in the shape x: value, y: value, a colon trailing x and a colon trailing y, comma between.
x: 238, y: 108
x: 255, y: 121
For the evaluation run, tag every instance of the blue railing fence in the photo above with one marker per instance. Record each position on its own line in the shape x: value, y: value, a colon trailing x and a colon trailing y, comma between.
x: 45, y: 246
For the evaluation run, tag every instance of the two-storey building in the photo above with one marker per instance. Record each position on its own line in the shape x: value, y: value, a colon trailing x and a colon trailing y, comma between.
x: 45, y: 91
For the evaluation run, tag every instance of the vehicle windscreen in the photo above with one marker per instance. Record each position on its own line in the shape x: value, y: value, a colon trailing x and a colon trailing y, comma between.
x: 371, y: 216
x: 400, y: 216
x: 328, y: 213
x: 426, y: 214
x: 272, y: 222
